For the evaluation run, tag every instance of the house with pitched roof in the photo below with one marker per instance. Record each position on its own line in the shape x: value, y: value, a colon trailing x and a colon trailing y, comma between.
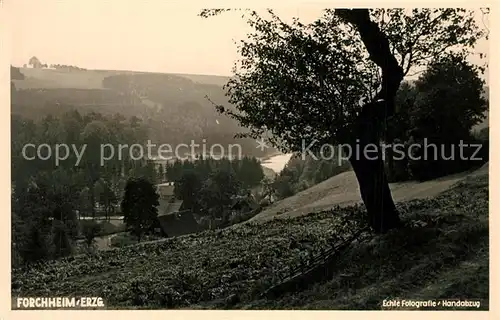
x: 173, y: 220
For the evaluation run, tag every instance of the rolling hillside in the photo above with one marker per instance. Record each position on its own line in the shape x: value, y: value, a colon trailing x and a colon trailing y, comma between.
x: 176, y: 107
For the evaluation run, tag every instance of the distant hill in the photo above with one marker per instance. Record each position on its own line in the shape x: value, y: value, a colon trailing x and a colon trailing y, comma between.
x: 175, y: 106
x: 92, y: 79
x: 217, y: 80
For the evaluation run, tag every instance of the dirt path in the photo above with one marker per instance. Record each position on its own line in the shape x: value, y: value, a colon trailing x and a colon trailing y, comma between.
x: 104, y: 243
x: 343, y: 190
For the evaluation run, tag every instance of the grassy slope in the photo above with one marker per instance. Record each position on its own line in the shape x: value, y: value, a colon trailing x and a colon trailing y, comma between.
x: 343, y: 190
x: 446, y: 258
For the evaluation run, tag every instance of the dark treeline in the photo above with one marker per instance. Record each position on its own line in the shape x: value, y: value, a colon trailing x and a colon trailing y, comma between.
x: 211, y: 188
x: 441, y: 108
x: 34, y: 62
x: 66, y: 67
x: 247, y: 169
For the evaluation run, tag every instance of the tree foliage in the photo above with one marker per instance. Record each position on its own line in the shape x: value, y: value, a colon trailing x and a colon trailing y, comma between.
x: 35, y: 62
x: 218, y: 192
x: 188, y: 188
x: 292, y: 76
x: 450, y: 94
x: 306, y: 82
x: 440, y: 108
x: 418, y: 36
x: 46, y: 196
x: 449, y: 103
x: 139, y: 206
x: 247, y: 170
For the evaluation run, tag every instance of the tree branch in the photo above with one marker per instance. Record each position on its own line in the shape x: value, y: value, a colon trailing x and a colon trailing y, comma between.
x: 378, y: 48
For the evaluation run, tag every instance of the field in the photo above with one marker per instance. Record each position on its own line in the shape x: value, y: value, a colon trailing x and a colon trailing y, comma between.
x: 441, y: 253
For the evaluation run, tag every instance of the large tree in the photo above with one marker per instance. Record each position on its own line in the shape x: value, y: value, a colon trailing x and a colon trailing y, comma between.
x: 140, y: 206
x: 188, y: 189
x: 218, y: 192
x: 35, y: 62
x: 333, y: 81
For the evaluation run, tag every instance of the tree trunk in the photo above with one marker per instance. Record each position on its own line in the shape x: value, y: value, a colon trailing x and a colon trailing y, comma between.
x: 368, y: 165
x: 376, y: 195
x: 92, y: 201
x: 369, y: 168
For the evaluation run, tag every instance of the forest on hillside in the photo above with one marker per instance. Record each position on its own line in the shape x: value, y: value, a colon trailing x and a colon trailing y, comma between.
x: 175, y: 109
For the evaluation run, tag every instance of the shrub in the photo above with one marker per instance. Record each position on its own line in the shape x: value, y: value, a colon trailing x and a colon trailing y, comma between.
x: 445, y: 164
x: 63, y: 244
x: 35, y: 245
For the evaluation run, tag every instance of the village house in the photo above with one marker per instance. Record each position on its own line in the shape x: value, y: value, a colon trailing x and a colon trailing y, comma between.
x: 172, y: 219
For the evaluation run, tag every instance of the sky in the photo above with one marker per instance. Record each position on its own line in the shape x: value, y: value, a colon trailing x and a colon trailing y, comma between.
x: 155, y: 36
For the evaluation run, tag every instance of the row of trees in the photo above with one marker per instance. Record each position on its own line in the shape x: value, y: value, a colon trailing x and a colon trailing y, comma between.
x: 209, y: 187
x: 302, y: 173
x: 78, y: 138
x: 248, y: 170
x: 34, y: 62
